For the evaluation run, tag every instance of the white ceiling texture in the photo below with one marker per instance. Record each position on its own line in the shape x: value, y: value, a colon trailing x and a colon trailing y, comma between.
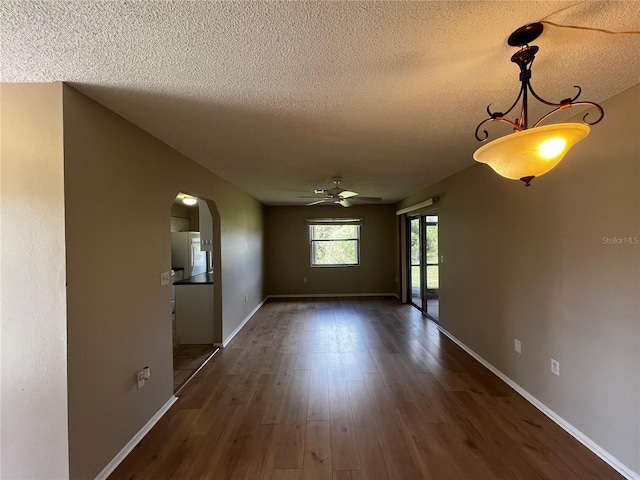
x: 278, y: 97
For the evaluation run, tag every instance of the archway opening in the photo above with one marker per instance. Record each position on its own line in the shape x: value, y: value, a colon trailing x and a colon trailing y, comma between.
x: 196, y: 290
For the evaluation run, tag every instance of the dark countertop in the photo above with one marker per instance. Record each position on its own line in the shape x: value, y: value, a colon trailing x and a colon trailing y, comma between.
x: 202, y: 279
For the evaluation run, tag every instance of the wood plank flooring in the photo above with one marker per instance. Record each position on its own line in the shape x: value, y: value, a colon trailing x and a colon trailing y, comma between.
x: 352, y: 389
x: 186, y: 360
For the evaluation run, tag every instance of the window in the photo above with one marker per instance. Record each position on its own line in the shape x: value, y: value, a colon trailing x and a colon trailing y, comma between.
x: 334, y: 242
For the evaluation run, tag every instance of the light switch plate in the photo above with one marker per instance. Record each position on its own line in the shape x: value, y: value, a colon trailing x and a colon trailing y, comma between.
x: 141, y: 379
x: 165, y: 278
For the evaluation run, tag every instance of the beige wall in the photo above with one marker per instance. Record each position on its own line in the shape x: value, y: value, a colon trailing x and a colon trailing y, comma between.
x: 530, y: 263
x: 288, y: 255
x: 119, y: 316
x: 178, y: 210
x: 190, y: 213
x: 75, y: 352
x: 33, y: 372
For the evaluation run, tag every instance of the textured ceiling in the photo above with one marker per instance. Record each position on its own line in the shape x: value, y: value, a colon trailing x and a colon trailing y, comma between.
x: 277, y: 97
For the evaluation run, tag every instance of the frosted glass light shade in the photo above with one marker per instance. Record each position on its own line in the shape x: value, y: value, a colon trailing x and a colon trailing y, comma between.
x: 533, y: 152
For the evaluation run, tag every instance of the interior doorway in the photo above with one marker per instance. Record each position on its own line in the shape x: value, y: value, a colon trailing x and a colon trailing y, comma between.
x: 423, y: 264
x: 196, y: 286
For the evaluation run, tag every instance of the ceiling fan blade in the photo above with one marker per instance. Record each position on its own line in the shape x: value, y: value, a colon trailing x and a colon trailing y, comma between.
x: 345, y: 202
x: 315, y: 203
x: 313, y: 196
x: 347, y: 194
x: 369, y: 199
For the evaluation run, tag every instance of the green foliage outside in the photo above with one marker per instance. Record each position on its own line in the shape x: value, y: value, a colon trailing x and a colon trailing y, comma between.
x: 432, y: 244
x: 432, y: 276
x: 334, y: 232
x: 415, y: 241
x: 431, y: 254
x: 335, y: 244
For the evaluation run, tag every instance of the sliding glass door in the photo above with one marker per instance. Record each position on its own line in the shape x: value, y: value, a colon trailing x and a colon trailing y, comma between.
x: 423, y: 268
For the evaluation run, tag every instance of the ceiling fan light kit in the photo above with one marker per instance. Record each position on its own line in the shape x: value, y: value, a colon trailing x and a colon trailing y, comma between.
x: 531, y: 151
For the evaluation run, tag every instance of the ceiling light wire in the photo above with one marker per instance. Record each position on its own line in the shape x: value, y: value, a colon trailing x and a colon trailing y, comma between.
x: 592, y: 29
x: 561, y: 10
x: 578, y: 27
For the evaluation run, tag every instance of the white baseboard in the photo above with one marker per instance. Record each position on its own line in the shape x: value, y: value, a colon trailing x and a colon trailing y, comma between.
x: 573, y: 431
x: 329, y: 295
x: 111, y: 466
x: 226, y: 341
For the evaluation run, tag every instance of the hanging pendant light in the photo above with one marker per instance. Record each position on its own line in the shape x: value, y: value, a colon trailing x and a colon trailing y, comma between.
x: 530, y: 152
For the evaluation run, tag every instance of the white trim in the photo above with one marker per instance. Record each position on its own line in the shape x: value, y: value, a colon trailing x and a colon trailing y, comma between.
x: 334, y: 221
x: 226, y: 341
x: 328, y: 295
x: 428, y: 202
x: 570, y: 429
x: 111, y: 466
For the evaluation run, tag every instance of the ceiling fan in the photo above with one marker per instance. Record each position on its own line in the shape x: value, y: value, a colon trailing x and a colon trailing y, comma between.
x: 338, y: 195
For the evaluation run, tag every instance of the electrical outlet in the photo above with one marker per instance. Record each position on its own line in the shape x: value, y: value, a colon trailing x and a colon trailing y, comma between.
x: 246, y: 297
x: 517, y: 345
x: 165, y: 278
x: 304, y: 280
x: 555, y: 367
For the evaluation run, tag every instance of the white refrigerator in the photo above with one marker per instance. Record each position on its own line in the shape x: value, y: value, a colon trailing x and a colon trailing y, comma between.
x: 186, y: 253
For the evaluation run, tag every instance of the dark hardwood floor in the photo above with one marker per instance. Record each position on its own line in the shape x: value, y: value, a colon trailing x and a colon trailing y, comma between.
x: 342, y: 389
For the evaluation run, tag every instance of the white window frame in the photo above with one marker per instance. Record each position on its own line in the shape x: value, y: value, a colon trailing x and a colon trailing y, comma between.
x: 357, y: 222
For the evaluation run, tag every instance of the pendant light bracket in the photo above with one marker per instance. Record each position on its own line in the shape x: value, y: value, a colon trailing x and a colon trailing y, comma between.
x: 525, y: 34
x: 524, y: 59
